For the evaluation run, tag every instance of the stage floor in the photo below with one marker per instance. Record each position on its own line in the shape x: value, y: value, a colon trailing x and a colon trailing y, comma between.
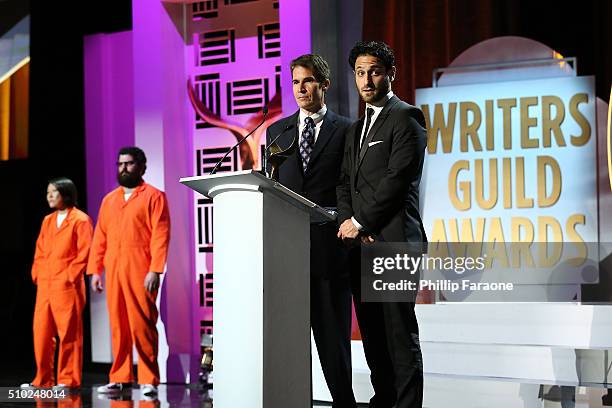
x: 440, y: 392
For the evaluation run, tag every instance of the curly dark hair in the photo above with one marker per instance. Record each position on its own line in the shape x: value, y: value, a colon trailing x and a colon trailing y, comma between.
x: 315, y: 63
x: 136, y: 152
x: 67, y: 190
x: 376, y: 49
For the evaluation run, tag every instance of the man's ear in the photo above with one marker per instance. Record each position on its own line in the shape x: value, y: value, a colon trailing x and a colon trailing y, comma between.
x: 392, y: 73
x: 325, y: 85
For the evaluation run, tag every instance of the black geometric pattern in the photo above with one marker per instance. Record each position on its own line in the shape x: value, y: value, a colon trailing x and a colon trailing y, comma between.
x: 247, y: 96
x: 268, y: 40
x: 208, y: 88
x: 216, y: 47
x: 230, y: 2
x: 205, y: 224
x: 277, y: 78
x: 204, y: 9
x: 206, y: 289
x: 207, y: 158
x: 206, y: 327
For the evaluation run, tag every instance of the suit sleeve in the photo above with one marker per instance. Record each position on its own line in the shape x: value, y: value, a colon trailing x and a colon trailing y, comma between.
x: 84, y: 233
x: 407, y: 151
x: 98, y: 246
x: 37, y: 265
x: 160, y: 233
x: 343, y: 188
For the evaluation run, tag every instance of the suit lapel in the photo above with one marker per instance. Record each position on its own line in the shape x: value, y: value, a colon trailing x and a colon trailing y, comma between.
x: 380, y: 120
x: 325, y: 134
x: 287, y: 137
x: 356, y: 136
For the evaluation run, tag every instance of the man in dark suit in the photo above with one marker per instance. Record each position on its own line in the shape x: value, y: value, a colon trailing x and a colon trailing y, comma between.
x: 313, y: 172
x: 378, y: 200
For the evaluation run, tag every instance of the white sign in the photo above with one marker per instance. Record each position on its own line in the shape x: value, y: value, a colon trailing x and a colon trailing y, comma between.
x: 511, y: 162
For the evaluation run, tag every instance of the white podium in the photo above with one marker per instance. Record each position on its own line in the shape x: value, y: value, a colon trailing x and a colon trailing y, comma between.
x: 261, y: 290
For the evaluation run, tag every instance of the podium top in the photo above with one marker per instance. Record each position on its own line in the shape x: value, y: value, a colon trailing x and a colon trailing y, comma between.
x: 212, y: 185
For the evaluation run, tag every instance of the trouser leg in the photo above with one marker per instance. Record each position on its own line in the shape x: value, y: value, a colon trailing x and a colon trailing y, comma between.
x: 67, y: 311
x: 142, y: 313
x: 122, y: 368
x: 371, y: 319
x: 330, y: 314
x: 402, y: 334
x: 44, y: 341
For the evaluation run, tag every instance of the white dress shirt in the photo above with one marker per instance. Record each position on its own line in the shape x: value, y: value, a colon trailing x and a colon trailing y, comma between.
x: 377, y: 110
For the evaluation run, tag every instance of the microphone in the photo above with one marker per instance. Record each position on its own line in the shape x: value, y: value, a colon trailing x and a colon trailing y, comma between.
x: 267, y: 149
x: 265, y: 113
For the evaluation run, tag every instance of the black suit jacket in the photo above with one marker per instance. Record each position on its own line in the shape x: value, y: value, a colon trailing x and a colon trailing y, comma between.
x: 379, y: 184
x: 318, y: 184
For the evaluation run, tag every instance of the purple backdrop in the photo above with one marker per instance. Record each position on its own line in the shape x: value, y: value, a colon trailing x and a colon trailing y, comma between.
x: 136, y: 93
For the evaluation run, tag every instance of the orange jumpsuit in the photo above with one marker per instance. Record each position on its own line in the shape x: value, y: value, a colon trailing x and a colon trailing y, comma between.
x: 130, y: 240
x: 59, y: 262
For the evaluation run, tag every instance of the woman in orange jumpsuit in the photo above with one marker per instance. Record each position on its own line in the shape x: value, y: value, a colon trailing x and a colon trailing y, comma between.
x: 61, y: 255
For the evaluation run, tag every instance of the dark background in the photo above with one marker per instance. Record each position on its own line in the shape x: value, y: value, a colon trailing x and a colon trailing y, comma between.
x: 425, y: 34
x: 57, y: 148
x: 430, y: 34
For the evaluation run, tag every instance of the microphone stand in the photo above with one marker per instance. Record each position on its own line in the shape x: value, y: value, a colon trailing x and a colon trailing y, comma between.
x: 265, y: 113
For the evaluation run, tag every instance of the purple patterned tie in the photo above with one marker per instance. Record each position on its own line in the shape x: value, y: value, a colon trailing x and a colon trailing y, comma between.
x: 307, y: 141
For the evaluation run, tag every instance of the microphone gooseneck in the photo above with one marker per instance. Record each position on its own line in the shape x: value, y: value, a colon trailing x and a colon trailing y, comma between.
x: 265, y: 113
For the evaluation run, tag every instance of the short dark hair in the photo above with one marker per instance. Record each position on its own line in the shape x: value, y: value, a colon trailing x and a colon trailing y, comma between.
x: 315, y: 63
x: 66, y: 188
x: 136, y: 152
x: 376, y: 49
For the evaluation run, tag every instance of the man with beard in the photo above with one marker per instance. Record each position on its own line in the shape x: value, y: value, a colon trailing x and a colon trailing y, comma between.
x: 131, y: 244
x: 378, y: 200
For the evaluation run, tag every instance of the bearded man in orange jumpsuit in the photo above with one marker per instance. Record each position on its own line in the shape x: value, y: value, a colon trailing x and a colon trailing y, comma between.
x: 131, y: 244
x: 61, y: 255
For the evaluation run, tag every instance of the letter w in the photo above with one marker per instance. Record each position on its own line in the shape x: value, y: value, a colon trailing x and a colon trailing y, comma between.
x: 440, y: 126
